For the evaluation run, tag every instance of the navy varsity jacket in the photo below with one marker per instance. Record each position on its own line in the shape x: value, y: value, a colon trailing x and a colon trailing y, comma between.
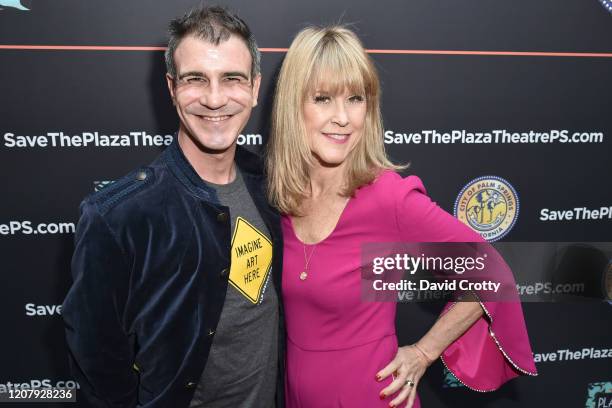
x: 150, y: 270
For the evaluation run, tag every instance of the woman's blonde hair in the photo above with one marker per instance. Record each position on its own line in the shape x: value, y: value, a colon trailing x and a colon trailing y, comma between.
x: 333, y: 57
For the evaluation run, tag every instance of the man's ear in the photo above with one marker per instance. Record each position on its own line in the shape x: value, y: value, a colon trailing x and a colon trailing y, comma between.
x: 256, y: 84
x: 170, y: 83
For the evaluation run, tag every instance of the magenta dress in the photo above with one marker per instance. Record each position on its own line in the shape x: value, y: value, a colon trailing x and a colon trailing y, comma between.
x: 336, y: 343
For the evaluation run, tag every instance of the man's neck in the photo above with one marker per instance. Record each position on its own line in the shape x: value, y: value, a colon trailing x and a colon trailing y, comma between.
x: 214, y: 167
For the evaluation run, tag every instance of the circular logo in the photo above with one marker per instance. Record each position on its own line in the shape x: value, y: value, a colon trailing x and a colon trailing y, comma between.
x: 489, y: 205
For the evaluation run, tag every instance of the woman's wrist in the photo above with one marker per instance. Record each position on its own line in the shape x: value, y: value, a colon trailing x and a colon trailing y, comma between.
x: 425, y: 355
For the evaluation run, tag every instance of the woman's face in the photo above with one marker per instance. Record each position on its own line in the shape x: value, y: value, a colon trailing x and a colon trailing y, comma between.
x: 334, y: 124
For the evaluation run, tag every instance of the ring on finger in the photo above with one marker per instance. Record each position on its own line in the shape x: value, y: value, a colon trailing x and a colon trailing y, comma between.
x: 409, y: 383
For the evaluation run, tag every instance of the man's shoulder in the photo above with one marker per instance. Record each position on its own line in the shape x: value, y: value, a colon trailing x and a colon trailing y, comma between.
x: 122, y: 189
x: 129, y: 192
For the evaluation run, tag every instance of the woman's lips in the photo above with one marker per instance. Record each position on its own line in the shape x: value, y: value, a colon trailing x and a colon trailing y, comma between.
x: 339, y: 138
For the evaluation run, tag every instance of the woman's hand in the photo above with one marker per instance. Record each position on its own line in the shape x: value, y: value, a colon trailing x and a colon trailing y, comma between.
x: 408, y: 367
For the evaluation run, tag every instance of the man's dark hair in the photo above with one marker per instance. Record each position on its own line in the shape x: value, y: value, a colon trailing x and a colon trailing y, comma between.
x: 213, y: 24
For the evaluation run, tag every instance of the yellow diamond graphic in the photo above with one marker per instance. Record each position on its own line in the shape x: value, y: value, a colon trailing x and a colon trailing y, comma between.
x: 251, y: 260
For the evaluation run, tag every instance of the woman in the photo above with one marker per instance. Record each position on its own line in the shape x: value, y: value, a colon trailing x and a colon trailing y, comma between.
x: 329, y: 176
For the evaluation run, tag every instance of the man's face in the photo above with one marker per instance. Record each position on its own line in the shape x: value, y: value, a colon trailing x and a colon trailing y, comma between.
x: 213, y: 90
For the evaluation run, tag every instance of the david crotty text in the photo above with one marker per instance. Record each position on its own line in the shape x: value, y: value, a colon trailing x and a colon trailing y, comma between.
x: 446, y: 285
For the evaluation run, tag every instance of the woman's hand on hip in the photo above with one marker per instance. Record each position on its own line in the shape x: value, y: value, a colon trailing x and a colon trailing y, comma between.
x: 407, y: 368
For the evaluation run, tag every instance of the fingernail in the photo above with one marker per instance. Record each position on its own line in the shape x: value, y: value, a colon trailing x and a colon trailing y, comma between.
x: 378, y: 377
x: 382, y: 396
x: 391, y: 405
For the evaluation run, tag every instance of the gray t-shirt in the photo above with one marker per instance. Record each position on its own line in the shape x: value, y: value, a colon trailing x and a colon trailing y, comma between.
x: 242, y: 365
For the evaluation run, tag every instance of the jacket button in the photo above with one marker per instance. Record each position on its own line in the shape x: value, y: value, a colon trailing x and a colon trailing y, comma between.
x: 211, y: 332
x: 135, y: 367
x: 222, y: 217
x: 224, y: 272
x: 141, y: 175
x: 190, y: 385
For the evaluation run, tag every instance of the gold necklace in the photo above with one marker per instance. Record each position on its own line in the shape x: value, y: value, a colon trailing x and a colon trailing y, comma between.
x: 304, y: 273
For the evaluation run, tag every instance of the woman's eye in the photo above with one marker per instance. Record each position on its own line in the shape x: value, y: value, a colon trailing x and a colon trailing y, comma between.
x: 321, y: 99
x: 356, y: 98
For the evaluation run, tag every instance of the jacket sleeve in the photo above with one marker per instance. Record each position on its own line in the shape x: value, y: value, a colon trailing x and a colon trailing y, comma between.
x: 100, y: 351
x: 496, y: 347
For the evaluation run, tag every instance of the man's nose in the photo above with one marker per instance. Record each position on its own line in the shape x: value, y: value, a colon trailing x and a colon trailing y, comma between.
x: 214, y: 97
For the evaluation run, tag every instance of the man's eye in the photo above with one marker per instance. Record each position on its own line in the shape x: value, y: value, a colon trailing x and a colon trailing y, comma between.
x: 321, y: 99
x: 194, y: 80
x: 233, y: 79
x: 356, y: 98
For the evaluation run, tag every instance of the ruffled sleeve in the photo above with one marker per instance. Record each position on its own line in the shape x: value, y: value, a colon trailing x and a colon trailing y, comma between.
x: 496, y: 347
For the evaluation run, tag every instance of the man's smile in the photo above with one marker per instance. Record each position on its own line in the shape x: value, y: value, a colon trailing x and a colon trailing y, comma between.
x: 218, y: 118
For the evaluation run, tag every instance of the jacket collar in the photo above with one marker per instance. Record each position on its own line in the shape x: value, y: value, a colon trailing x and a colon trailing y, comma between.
x: 247, y: 162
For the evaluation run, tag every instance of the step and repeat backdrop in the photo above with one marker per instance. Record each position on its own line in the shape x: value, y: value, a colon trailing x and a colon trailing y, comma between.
x: 504, y: 109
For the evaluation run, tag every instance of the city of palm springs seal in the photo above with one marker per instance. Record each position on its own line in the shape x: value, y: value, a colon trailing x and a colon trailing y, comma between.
x: 489, y: 205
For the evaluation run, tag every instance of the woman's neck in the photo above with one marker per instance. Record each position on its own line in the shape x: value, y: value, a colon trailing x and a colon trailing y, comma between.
x: 326, y: 180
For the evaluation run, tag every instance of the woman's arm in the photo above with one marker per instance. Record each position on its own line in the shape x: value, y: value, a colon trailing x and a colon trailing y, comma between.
x: 448, y: 328
x: 410, y: 362
x: 482, y: 351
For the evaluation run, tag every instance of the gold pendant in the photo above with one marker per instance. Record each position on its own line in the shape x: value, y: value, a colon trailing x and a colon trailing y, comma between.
x: 303, y: 275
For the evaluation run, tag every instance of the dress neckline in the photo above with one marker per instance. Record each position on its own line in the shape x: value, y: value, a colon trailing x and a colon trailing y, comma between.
x: 338, y: 222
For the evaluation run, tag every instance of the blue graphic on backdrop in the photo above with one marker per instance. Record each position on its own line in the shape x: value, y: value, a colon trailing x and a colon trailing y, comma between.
x: 13, y: 4
x: 450, y: 381
x: 99, y: 185
x: 599, y: 395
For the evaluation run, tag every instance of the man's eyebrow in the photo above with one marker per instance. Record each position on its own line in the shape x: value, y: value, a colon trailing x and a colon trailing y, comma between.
x: 190, y: 73
x: 236, y: 73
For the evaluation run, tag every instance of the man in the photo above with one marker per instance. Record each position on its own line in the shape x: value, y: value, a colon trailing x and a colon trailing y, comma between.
x: 175, y: 301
